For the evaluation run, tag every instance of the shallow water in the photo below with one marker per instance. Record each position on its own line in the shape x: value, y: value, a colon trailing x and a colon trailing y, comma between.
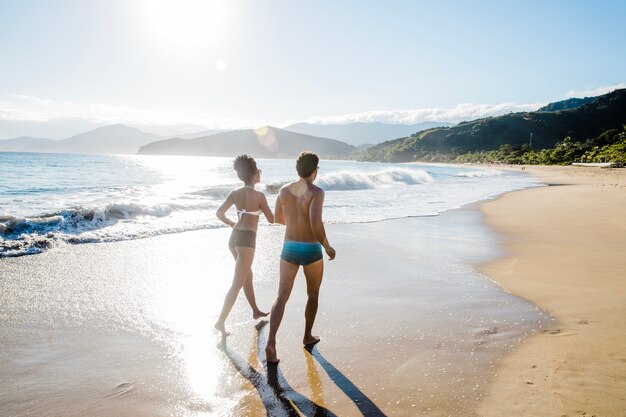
x: 124, y: 328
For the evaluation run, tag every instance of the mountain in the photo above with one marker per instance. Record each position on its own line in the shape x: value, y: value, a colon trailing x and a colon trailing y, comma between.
x: 264, y: 142
x: 194, y: 135
x: 362, y: 133
x: 23, y: 144
x: 570, y: 103
x: 113, y: 139
x: 547, y: 128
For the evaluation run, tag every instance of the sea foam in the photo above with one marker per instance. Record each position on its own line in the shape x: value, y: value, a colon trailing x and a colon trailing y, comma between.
x: 479, y: 174
x: 361, y: 180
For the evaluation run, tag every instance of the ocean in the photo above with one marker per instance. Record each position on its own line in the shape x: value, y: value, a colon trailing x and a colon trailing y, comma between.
x: 47, y: 200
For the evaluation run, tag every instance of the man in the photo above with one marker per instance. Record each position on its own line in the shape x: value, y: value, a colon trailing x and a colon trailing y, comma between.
x: 299, y: 207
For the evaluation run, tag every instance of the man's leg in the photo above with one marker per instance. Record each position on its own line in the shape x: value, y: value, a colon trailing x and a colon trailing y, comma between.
x: 288, y: 273
x: 313, y: 273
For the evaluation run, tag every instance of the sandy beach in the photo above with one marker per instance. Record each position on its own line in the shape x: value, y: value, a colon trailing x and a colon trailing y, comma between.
x: 410, y: 319
x: 565, y: 247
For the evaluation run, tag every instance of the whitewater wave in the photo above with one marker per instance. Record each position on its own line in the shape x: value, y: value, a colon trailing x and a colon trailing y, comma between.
x: 479, y: 174
x: 113, y: 222
x: 360, y: 180
x: 33, y: 243
x: 80, y: 219
x: 216, y: 192
x: 274, y: 187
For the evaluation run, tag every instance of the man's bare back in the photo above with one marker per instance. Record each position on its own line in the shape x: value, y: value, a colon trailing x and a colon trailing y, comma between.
x: 296, y: 202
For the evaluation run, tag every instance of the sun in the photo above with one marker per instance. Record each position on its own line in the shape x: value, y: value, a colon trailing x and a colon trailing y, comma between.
x: 186, y: 25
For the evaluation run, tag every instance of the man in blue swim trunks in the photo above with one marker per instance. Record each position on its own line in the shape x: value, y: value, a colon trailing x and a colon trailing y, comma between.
x: 299, y: 207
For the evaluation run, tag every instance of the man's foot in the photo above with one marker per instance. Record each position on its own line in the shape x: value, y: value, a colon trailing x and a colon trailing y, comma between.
x: 270, y: 355
x: 258, y: 314
x: 309, y: 341
x: 220, y: 326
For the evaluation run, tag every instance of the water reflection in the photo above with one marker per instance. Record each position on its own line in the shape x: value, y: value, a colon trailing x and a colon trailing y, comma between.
x: 317, y: 389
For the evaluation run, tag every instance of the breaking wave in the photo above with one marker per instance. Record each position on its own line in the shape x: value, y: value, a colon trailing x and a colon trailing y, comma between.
x: 29, y: 235
x: 359, y: 180
x: 479, y: 174
x: 215, y: 192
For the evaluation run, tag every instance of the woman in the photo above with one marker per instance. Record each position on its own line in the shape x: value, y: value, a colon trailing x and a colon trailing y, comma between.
x: 250, y: 204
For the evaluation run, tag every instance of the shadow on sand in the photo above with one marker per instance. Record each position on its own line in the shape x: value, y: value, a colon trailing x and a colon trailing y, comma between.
x: 363, y: 403
x: 279, y: 398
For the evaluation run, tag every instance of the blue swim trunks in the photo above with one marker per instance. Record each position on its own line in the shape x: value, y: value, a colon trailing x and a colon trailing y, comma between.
x: 301, y: 253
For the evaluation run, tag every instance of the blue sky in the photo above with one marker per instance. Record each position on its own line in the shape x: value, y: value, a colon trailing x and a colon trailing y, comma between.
x: 195, y: 63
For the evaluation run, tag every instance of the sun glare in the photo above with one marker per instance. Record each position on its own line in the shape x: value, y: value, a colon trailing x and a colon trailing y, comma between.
x: 221, y: 65
x: 187, y: 25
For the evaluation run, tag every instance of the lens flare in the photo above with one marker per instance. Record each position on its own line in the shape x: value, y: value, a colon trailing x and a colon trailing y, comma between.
x: 266, y: 137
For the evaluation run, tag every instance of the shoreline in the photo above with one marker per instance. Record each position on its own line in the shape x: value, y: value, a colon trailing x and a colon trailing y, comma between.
x: 564, y: 253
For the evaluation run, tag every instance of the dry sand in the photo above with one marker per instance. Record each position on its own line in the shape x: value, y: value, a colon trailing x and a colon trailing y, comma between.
x: 566, y: 248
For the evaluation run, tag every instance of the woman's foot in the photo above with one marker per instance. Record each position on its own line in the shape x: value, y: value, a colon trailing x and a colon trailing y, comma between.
x: 258, y: 314
x: 222, y: 328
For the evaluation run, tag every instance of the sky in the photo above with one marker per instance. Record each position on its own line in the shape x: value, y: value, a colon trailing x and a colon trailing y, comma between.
x: 184, y: 65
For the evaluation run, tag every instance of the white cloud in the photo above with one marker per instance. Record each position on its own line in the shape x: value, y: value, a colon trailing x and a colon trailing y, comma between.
x: 20, y: 107
x: 36, y: 100
x: 594, y: 91
x: 28, y: 108
x: 464, y: 111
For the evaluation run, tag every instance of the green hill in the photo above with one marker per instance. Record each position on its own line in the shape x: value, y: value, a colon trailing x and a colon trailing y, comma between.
x: 547, y: 128
x: 570, y: 103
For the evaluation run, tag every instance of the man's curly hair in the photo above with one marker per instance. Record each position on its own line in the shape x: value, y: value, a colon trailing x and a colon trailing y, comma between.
x: 306, y: 163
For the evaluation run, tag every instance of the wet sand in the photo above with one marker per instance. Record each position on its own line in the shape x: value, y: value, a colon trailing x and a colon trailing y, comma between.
x: 566, y: 247
x: 408, y: 326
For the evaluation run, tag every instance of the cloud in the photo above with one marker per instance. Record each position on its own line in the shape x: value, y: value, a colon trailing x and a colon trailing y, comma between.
x: 594, y: 91
x: 28, y: 108
x: 464, y: 111
x: 20, y: 107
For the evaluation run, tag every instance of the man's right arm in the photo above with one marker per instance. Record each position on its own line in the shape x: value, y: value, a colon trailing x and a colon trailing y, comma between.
x: 317, y: 224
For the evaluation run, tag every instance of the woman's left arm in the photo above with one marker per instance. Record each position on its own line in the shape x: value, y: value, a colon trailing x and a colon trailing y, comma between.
x: 265, y: 208
x: 221, y: 211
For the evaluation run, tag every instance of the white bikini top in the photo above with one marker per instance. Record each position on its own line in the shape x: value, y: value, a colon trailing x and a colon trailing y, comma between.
x: 244, y: 211
x: 252, y: 213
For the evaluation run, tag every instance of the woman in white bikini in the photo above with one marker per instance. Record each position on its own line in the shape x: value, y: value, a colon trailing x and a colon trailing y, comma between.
x: 250, y: 204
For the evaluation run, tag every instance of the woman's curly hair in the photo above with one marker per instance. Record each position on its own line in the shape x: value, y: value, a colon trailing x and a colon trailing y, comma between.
x: 245, y: 166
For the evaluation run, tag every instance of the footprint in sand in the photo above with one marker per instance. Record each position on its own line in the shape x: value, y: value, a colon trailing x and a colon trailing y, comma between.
x: 121, y: 389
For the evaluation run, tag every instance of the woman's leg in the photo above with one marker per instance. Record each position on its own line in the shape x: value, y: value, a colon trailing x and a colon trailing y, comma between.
x: 248, y: 290
x: 243, y: 265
